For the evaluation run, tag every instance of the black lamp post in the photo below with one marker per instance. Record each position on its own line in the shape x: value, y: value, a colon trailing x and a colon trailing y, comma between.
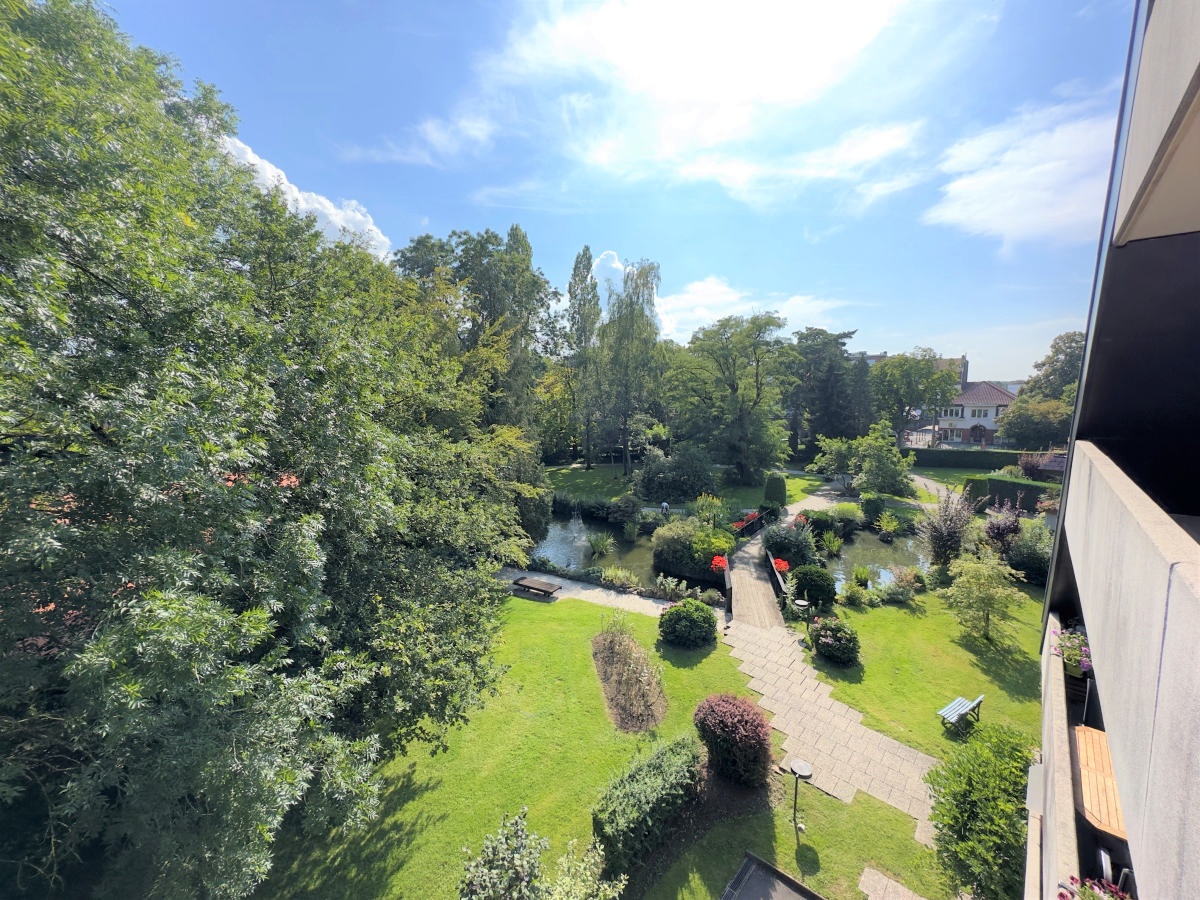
x: 800, y: 770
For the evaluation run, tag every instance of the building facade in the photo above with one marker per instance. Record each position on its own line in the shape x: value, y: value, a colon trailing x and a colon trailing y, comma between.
x: 1117, y: 791
x: 974, y: 415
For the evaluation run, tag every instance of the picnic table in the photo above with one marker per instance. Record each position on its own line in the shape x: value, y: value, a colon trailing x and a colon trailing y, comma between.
x: 537, y: 586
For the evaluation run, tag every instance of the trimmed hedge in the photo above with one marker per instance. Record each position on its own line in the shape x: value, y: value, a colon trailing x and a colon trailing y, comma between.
x: 998, y: 488
x: 814, y: 583
x: 985, y: 460
x: 690, y: 623
x: 737, y: 736
x: 775, y: 490
x: 638, y: 809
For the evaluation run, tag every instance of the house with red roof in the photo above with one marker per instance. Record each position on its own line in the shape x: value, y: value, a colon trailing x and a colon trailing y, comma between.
x: 973, y: 416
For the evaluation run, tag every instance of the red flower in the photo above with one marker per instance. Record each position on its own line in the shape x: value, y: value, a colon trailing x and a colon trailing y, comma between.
x: 750, y: 517
x: 719, y: 564
x: 781, y: 566
x: 800, y: 519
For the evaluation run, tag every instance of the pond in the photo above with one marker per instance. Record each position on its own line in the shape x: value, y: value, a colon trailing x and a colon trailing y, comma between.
x: 566, y: 545
x: 868, y: 550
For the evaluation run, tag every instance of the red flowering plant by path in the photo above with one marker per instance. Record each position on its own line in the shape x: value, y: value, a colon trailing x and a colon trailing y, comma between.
x: 719, y: 564
x: 799, y: 519
x: 781, y: 566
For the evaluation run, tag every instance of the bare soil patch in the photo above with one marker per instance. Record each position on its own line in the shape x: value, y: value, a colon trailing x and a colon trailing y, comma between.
x: 632, y: 685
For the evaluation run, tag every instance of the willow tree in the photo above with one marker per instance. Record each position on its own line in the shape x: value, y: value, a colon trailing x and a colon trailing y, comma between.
x: 628, y: 338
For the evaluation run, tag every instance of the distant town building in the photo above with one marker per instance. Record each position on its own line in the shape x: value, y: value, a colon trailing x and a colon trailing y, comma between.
x: 973, y: 416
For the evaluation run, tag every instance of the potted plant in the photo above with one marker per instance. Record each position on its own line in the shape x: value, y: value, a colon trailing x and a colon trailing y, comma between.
x: 1073, y: 647
x: 1091, y: 889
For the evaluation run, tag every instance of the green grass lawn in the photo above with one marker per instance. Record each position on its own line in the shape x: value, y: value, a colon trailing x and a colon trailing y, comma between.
x: 839, y: 842
x: 544, y: 741
x: 951, y: 478
x: 603, y: 480
x: 607, y: 481
x: 916, y: 660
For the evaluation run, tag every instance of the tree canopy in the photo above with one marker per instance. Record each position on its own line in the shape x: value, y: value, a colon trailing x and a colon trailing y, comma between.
x: 909, y: 382
x: 255, y: 489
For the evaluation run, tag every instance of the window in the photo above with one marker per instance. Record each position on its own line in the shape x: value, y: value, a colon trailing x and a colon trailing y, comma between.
x: 951, y: 412
x: 980, y: 412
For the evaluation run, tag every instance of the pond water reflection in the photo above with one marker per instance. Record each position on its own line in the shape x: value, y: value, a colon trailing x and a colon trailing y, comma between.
x: 566, y: 545
x: 868, y: 550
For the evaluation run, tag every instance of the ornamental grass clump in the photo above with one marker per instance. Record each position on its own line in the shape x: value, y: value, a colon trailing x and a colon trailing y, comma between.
x: 835, y: 640
x: 688, y: 624
x: 737, y: 736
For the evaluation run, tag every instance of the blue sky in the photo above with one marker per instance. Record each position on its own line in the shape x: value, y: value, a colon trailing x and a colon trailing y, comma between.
x: 927, y: 172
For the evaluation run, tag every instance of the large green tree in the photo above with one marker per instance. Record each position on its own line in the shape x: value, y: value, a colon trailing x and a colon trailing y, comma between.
x: 1036, y: 423
x: 910, y: 382
x: 726, y: 388
x: 823, y: 395
x: 1059, y: 369
x: 631, y: 373
x: 252, y: 502
x: 583, y: 323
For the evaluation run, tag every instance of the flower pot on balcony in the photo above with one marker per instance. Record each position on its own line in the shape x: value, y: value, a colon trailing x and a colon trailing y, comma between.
x: 1073, y: 669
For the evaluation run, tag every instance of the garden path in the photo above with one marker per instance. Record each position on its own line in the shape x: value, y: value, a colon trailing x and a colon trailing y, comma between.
x: 581, y: 590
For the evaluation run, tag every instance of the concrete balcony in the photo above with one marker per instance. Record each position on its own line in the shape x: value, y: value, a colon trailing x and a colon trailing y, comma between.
x: 1137, y: 574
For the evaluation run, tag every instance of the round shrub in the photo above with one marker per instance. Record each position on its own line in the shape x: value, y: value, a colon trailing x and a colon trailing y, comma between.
x: 1030, y: 551
x: 815, y: 585
x: 737, y: 736
x: 849, y: 518
x: 854, y: 594
x: 688, y: 624
x: 873, y: 507
x: 821, y: 520
x: 835, y: 640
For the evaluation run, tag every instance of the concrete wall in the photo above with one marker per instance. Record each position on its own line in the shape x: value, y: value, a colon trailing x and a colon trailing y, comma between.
x: 1161, y: 128
x: 1138, y: 577
x: 1053, y: 856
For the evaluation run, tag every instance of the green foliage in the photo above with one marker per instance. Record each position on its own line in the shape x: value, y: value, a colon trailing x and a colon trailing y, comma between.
x: 1020, y: 492
x: 905, y: 383
x: 737, y: 737
x: 250, y: 479
x: 673, y: 589
x: 943, y: 529
x: 879, y: 465
x: 686, y: 473
x: 690, y: 623
x: 710, y: 510
x: 625, y: 509
x: 820, y: 520
x: 888, y: 526
x: 794, y: 543
x: 685, y: 547
x: 856, y: 595
x: 835, y: 461
x: 982, y: 595
x: 835, y: 639
x: 620, y: 578
x: 1036, y: 423
x: 775, y: 490
x: 726, y: 396
x: 848, y: 518
x: 979, y: 815
x: 639, y: 809
x: 873, y: 506
x: 582, y: 877
x: 861, y: 575
x: 814, y: 584
x: 601, y: 543
x: 508, y: 865
x: 1057, y: 373
x: 831, y: 543
x: 1030, y: 552
x: 948, y: 458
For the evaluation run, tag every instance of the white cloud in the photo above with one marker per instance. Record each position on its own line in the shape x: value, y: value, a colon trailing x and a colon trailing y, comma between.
x: 608, y: 269
x: 768, y: 182
x: 432, y: 142
x: 703, y: 302
x: 1042, y: 175
x: 332, y: 218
